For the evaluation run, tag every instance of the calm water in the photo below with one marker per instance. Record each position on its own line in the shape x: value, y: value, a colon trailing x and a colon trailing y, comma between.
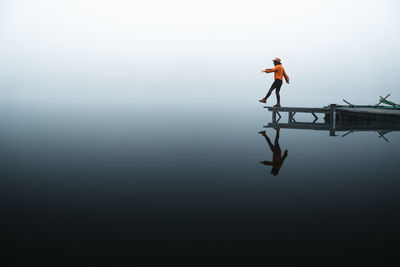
x: 151, y: 184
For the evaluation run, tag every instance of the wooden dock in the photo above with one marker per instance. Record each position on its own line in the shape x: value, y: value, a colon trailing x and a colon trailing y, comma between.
x: 331, y: 110
x: 340, y: 118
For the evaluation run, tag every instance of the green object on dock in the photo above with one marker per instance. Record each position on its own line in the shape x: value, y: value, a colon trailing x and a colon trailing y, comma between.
x: 392, y: 104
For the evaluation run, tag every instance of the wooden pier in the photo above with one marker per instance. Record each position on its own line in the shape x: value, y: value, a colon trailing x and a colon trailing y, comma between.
x: 340, y: 118
x: 331, y: 110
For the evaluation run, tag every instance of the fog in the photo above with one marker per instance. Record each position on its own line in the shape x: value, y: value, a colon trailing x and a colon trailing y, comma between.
x: 197, y: 52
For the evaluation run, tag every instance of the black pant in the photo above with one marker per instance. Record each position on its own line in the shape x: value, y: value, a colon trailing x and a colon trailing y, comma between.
x: 277, y: 84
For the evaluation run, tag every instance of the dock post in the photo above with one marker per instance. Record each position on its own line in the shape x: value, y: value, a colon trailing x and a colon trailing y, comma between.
x: 274, y: 117
x: 333, y: 119
x: 290, y: 117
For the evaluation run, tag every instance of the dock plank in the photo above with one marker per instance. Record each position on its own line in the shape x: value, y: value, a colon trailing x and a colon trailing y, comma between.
x: 370, y: 111
x: 298, y: 109
x: 338, y: 110
x: 340, y: 128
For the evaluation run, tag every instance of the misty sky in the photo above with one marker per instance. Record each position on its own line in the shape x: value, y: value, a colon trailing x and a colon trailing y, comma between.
x: 206, y: 52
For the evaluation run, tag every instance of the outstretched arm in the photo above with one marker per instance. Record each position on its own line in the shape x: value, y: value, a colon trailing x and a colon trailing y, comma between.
x: 270, y: 70
x: 286, y: 77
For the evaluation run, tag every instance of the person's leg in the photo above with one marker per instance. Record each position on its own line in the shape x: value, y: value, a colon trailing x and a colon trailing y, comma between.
x: 271, y: 146
x: 273, y: 86
x: 277, y: 138
x: 277, y: 148
x: 277, y: 90
x: 278, y: 97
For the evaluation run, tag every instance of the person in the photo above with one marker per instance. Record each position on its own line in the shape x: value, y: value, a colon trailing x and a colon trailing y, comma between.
x: 278, y: 76
x: 277, y: 158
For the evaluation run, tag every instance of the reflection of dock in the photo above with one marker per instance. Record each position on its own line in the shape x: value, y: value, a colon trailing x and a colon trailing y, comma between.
x: 339, y: 118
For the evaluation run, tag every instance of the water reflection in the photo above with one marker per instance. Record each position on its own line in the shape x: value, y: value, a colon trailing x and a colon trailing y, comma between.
x: 382, y: 125
x: 277, y: 158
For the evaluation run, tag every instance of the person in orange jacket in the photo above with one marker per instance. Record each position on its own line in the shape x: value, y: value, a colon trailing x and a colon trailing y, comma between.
x: 278, y: 76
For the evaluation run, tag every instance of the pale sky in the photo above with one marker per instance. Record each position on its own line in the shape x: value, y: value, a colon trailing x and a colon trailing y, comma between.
x: 201, y: 51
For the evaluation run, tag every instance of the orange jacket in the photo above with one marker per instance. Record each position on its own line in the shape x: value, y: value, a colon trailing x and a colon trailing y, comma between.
x: 279, y: 73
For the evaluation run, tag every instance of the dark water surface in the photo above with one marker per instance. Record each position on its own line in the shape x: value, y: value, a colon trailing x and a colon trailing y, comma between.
x: 185, y: 183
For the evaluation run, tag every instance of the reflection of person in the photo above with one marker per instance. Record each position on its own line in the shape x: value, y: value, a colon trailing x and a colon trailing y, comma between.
x: 278, y: 77
x: 277, y: 158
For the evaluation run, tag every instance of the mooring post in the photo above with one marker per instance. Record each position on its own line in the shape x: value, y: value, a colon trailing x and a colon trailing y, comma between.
x: 333, y: 119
